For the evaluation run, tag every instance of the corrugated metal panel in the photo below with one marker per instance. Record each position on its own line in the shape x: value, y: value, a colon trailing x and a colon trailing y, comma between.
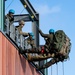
x: 12, y: 63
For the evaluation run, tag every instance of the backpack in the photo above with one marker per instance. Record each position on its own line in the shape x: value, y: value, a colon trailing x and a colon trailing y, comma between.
x: 62, y: 42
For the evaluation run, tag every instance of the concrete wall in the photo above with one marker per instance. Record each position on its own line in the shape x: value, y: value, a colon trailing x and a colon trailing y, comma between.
x: 11, y: 62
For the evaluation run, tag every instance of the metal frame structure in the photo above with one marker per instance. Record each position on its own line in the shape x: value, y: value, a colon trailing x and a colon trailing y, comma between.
x: 30, y: 9
x: 32, y: 16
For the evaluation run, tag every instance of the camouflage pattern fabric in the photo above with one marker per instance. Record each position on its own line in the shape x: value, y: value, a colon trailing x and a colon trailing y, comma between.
x: 62, y: 44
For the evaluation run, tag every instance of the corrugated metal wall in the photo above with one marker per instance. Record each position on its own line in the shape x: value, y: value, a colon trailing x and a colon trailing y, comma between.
x: 11, y: 63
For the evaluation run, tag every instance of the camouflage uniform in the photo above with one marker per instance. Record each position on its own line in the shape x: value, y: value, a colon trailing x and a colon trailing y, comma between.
x: 57, y: 58
x: 48, y: 44
x: 61, y: 55
x: 30, y: 45
x: 10, y: 15
x: 49, y: 38
x: 39, y: 57
x: 31, y: 42
x: 11, y: 19
x: 20, y: 28
x: 20, y: 31
x: 51, y: 62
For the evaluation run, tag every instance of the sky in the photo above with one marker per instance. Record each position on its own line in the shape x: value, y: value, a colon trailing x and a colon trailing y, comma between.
x: 56, y: 14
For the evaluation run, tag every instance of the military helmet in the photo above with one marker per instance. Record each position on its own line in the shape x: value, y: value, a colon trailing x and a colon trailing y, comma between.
x: 51, y: 31
x: 31, y: 34
x: 12, y: 11
x: 33, y: 37
x: 21, y: 22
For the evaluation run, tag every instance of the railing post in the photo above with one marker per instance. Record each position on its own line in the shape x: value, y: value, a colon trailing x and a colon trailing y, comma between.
x: 6, y: 26
x: 12, y: 32
x: 17, y: 37
x: 22, y: 41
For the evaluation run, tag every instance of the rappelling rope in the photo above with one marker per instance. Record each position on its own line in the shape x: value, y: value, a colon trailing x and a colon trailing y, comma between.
x: 63, y: 67
x: 9, y: 5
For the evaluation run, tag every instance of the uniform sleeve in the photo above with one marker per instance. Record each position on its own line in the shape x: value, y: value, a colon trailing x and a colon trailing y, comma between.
x: 23, y: 33
x: 43, y: 35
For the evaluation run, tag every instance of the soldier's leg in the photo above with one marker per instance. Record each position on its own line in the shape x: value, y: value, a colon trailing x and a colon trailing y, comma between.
x: 33, y: 50
x: 51, y: 62
x: 39, y: 57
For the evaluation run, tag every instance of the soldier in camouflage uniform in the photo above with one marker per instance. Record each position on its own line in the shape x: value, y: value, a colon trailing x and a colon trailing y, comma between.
x: 63, y: 53
x: 49, y: 38
x: 10, y: 15
x: 21, y: 24
x: 29, y: 44
x: 30, y: 40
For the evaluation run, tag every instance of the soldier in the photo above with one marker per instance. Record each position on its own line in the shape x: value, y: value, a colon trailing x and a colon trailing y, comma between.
x: 59, y: 56
x: 9, y: 19
x: 21, y: 24
x: 10, y: 15
x: 49, y: 38
x: 29, y: 44
x: 30, y: 40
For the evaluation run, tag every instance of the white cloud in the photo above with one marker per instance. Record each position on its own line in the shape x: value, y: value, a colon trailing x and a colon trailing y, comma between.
x: 45, y: 9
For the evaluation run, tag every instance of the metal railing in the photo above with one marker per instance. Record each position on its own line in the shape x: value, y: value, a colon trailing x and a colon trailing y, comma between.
x: 13, y: 33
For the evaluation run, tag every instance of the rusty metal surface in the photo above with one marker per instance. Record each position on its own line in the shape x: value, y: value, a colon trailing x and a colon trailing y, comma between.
x: 11, y: 62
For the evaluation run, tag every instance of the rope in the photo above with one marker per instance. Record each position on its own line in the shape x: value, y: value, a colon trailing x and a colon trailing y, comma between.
x: 51, y: 70
x: 57, y: 68
x: 22, y: 11
x: 36, y: 25
x: 9, y: 5
x: 63, y: 67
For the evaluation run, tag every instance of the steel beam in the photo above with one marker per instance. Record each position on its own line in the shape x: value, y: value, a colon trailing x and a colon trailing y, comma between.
x: 35, y: 27
x: 25, y: 17
x: 30, y: 9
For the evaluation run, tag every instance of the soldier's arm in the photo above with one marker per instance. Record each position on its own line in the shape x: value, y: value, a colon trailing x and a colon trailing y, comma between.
x: 23, y: 33
x: 33, y: 44
x: 43, y: 35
